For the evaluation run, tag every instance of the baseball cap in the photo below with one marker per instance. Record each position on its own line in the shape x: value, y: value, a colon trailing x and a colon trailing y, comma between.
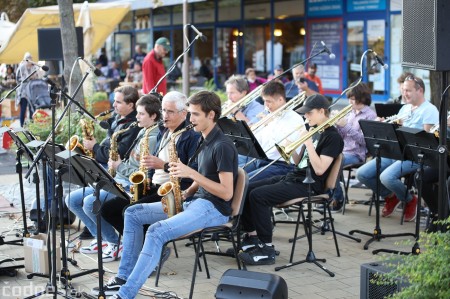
x: 164, y: 42
x: 279, y: 67
x: 315, y: 101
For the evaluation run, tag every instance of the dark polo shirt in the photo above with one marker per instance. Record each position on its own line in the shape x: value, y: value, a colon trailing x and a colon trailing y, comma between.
x: 218, y: 154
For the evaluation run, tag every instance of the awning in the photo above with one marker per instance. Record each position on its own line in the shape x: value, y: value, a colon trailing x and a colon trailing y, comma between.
x: 105, y: 17
x: 139, y: 4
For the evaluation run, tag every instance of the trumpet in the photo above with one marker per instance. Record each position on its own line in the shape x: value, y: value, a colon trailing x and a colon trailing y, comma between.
x: 395, y: 119
x: 294, y: 102
x: 287, y: 151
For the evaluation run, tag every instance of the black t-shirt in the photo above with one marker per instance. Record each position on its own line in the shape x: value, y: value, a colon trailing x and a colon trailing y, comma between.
x: 330, y: 144
x: 218, y: 154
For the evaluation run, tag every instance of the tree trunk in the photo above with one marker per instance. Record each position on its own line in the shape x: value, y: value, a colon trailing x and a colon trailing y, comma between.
x: 435, y: 88
x: 69, y: 47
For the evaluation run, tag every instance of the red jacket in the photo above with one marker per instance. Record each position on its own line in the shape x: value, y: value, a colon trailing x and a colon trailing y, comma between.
x: 152, y: 70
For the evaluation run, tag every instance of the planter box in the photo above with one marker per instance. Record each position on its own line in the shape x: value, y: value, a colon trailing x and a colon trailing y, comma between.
x: 99, y: 107
x: 9, y: 109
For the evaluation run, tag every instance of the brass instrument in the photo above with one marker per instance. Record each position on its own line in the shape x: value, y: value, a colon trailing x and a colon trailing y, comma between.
x: 113, y: 149
x: 170, y: 191
x: 287, y: 151
x: 253, y: 95
x: 139, y: 179
x: 396, y: 119
x: 294, y: 102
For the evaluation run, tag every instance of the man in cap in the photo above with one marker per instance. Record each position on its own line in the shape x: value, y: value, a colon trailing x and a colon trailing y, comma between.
x: 153, y: 66
x: 320, y: 152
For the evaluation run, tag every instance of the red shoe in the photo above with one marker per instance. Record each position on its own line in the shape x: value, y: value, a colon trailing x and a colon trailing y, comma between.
x: 391, y: 202
x: 411, y: 209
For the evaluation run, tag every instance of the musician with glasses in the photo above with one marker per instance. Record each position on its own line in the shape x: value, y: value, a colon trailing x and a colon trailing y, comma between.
x: 299, y: 83
x: 281, y: 128
x: 319, y: 153
x: 348, y: 127
x: 207, y: 202
x: 416, y: 113
x: 237, y: 88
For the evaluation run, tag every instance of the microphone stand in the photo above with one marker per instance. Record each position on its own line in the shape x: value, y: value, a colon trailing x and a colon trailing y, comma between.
x: 18, y: 85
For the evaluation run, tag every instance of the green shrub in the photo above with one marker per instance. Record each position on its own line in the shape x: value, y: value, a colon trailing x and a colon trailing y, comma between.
x: 11, y: 96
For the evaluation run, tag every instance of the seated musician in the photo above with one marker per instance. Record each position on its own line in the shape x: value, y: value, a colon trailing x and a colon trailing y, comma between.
x: 81, y: 201
x: 281, y: 128
x: 348, y: 127
x: 320, y: 152
x: 174, y: 117
x: 207, y: 202
x: 236, y: 89
x: 416, y: 113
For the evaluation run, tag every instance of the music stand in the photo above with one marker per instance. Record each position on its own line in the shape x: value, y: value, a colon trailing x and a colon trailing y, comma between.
x: 381, y: 141
x: 387, y: 110
x: 420, y: 147
x: 241, y: 135
x: 98, y: 178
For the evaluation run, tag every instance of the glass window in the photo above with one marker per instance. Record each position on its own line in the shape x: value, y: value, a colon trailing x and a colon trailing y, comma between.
x: 127, y: 23
x: 355, y: 44
x: 178, y: 14
x: 289, y: 46
x: 375, y: 41
x: 256, y: 9
x: 257, y: 48
x: 290, y: 8
x: 142, y: 19
x: 202, y: 66
x: 122, y: 49
x: 228, y: 40
x: 161, y: 16
x: 204, y: 12
x: 229, y: 10
x: 143, y: 39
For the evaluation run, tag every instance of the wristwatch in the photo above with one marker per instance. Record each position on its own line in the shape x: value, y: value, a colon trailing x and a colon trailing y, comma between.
x: 166, y: 167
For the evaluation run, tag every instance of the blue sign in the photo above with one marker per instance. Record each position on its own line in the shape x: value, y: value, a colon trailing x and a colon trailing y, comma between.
x: 324, y: 7
x: 365, y: 5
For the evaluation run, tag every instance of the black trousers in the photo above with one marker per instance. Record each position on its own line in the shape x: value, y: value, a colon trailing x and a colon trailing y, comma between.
x: 113, y: 210
x: 262, y: 196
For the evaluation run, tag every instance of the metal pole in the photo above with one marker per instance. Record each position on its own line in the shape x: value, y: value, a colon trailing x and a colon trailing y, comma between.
x: 185, y: 70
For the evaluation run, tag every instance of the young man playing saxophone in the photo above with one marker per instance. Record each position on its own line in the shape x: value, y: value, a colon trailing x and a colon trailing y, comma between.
x: 207, y: 200
x: 81, y: 201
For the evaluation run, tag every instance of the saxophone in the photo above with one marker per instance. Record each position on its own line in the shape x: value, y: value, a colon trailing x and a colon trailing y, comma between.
x: 139, y: 179
x: 74, y: 144
x: 170, y: 191
x: 113, y: 149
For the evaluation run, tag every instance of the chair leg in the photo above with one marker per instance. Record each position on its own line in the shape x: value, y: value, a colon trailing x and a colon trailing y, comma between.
x: 175, y: 249
x: 332, y: 229
x: 196, y: 263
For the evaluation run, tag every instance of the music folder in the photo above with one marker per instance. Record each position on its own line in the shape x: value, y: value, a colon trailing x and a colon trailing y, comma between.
x: 387, y: 110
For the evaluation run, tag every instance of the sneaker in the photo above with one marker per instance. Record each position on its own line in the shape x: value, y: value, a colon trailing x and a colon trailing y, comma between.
x: 111, y: 287
x: 248, y: 242
x: 85, y: 234
x: 411, y: 209
x: 92, y: 248
x: 260, y: 255
x: 336, y: 206
x: 391, y: 202
x: 164, y: 258
x: 111, y: 253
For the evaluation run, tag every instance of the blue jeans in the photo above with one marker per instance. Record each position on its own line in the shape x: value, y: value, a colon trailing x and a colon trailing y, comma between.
x: 139, y: 261
x: 338, y: 194
x: 277, y: 168
x: 391, y: 172
x: 23, y: 110
x: 81, y: 203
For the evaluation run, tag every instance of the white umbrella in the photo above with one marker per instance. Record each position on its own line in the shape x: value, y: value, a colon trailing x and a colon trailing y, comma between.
x: 84, y: 20
x: 6, y: 28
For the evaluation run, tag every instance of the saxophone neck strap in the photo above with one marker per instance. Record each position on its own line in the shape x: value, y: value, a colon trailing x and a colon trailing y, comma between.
x: 197, y: 151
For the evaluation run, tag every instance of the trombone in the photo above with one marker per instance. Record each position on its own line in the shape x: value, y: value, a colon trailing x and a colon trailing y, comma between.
x: 255, y: 93
x: 287, y: 151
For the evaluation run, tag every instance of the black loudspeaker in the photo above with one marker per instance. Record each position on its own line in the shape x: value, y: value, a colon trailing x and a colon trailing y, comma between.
x: 50, y: 45
x: 426, y: 30
x: 374, y: 286
x: 237, y: 284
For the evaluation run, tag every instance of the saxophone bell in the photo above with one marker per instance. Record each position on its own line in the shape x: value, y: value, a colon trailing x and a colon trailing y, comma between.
x: 73, y: 144
x: 166, y: 191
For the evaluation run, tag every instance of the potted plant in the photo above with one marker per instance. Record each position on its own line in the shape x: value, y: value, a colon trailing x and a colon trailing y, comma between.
x: 98, y: 102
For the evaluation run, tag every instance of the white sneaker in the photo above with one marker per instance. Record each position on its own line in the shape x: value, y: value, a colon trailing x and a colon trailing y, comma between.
x: 112, y: 253
x: 93, y: 248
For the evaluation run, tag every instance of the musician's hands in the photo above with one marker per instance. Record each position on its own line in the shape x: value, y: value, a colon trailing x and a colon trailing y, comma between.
x: 308, y: 143
x: 114, y: 164
x: 89, y: 143
x: 302, y: 85
x: 179, y: 170
x: 342, y: 122
x: 153, y: 162
x: 187, y: 193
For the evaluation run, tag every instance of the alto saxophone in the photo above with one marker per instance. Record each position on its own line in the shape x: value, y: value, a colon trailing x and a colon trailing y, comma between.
x: 170, y: 191
x: 113, y: 150
x: 139, y: 179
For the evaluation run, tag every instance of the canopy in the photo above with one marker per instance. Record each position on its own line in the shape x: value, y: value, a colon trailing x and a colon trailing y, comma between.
x: 104, y: 17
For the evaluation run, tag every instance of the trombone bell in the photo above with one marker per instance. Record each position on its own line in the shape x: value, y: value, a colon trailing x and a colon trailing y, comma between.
x: 285, y: 155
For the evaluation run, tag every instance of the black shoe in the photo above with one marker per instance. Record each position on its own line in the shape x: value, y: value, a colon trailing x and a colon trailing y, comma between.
x: 260, y: 255
x: 164, y: 258
x: 248, y: 242
x: 85, y: 234
x: 111, y: 287
x: 336, y: 206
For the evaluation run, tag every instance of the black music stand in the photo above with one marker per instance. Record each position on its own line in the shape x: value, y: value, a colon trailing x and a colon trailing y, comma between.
x: 381, y: 141
x: 242, y: 136
x: 97, y: 177
x: 420, y: 147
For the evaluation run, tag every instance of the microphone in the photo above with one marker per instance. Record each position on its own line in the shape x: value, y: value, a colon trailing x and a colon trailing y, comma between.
x: 380, y: 61
x: 43, y: 67
x: 330, y: 54
x: 202, y: 37
x: 96, y: 71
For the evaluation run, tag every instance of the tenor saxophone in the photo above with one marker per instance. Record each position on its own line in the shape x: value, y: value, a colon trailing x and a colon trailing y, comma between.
x: 139, y: 179
x: 113, y: 150
x: 170, y: 191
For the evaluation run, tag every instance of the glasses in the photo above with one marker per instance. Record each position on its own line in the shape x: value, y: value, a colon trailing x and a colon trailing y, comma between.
x: 418, y: 81
x: 169, y: 112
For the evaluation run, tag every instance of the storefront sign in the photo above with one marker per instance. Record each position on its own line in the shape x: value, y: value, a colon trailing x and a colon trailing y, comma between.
x: 324, y: 7
x: 364, y: 5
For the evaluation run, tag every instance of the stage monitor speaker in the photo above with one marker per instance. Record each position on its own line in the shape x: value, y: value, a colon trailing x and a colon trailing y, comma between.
x: 50, y: 45
x: 371, y: 288
x: 238, y: 284
x: 426, y: 30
